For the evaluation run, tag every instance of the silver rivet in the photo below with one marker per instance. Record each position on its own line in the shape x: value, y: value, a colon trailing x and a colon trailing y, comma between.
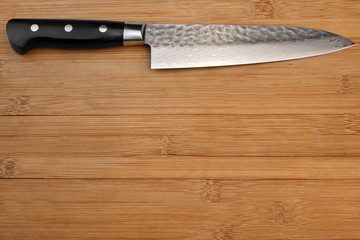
x: 34, y: 27
x: 103, y: 28
x: 68, y: 28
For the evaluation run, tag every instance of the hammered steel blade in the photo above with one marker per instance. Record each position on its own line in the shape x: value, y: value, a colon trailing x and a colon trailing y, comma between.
x: 187, y: 46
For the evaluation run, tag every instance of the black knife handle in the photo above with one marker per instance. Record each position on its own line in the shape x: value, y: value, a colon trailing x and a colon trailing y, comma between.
x: 25, y: 34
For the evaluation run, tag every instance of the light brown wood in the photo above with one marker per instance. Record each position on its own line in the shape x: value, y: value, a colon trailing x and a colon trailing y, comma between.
x: 140, y: 146
x: 99, y: 83
x: 179, y: 209
x: 95, y: 145
x: 184, y: 136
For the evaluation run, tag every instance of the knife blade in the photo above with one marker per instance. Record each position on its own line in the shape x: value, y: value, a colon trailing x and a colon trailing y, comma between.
x: 180, y: 45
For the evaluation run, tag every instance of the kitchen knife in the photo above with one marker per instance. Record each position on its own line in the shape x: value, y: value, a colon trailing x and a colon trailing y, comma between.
x: 179, y: 45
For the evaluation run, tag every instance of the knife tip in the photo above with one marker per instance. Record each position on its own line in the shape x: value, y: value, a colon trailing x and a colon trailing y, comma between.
x: 346, y: 43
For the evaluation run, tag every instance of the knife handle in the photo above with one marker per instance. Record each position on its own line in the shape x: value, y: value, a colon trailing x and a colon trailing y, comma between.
x: 26, y: 34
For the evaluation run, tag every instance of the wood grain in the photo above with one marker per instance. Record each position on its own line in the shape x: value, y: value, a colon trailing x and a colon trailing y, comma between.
x: 95, y: 145
x: 209, y: 136
x: 296, y: 87
x: 140, y: 146
x: 179, y: 209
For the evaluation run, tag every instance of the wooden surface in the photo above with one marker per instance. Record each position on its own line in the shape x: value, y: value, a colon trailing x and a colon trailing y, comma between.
x: 95, y: 145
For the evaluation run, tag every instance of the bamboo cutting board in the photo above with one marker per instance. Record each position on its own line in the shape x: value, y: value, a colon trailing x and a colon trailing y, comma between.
x: 95, y: 145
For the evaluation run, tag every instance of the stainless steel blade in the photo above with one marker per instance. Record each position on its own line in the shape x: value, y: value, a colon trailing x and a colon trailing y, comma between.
x: 187, y: 46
